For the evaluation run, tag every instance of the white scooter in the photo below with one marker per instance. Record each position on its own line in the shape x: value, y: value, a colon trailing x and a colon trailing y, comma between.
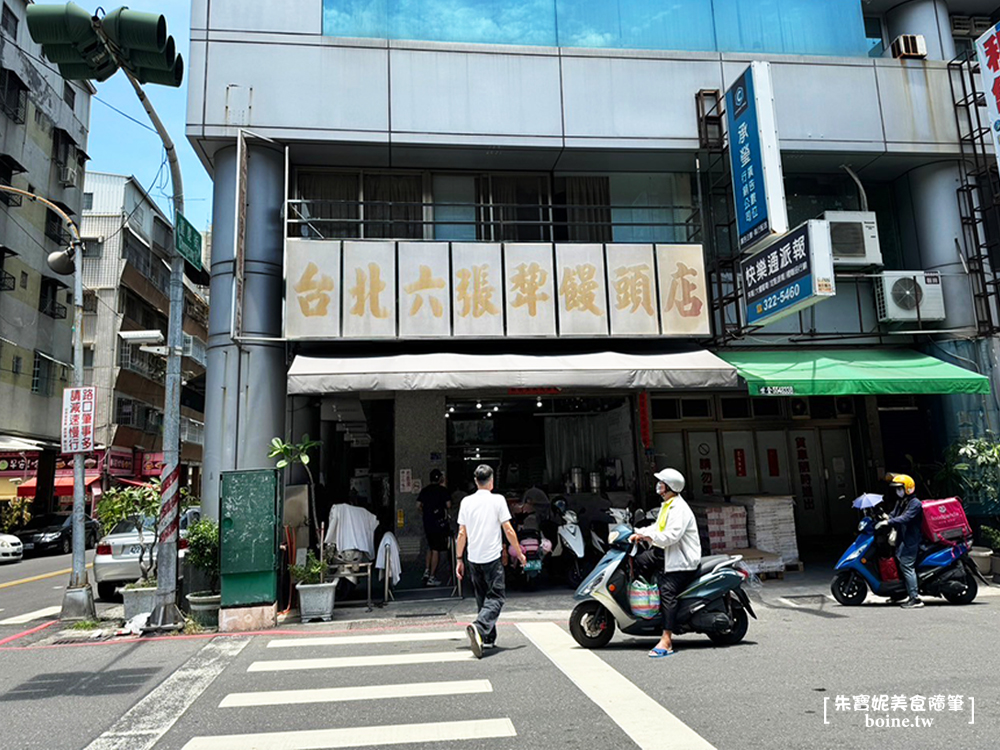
x: 570, y: 546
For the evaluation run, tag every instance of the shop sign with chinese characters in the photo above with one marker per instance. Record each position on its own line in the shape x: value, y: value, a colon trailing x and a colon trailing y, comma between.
x: 383, y: 289
x: 988, y: 52
x: 754, y: 157
x: 789, y: 274
x: 78, y: 419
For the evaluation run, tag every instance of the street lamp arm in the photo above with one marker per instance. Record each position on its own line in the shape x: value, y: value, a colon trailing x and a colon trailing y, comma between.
x: 62, y: 214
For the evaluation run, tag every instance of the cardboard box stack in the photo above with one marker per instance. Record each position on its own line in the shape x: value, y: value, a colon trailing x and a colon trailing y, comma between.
x: 760, y: 562
x: 721, y: 526
x: 771, y: 525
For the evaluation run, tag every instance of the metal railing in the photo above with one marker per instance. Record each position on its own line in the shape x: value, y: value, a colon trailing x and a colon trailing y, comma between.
x: 522, y: 222
x: 149, y: 266
x: 56, y: 232
x: 13, y: 200
x: 7, y: 282
x: 13, y: 97
x: 53, y: 309
x: 195, y: 349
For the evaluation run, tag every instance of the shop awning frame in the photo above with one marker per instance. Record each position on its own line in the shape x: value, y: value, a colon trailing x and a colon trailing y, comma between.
x: 62, y: 487
x: 851, y: 372
x: 457, y: 372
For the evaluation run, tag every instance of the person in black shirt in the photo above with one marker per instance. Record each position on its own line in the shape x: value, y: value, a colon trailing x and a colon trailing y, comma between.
x: 434, y: 501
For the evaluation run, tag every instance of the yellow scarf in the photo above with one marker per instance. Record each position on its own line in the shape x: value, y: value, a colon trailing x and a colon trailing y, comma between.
x: 661, y: 519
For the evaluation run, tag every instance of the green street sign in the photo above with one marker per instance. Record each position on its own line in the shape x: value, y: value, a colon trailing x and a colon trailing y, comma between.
x: 187, y: 241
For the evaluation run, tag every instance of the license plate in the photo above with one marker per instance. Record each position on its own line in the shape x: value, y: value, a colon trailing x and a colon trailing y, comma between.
x: 28, y: 545
x: 533, y: 565
x: 135, y: 549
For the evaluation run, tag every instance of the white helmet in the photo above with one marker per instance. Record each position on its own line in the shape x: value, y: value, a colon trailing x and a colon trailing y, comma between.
x: 672, y: 478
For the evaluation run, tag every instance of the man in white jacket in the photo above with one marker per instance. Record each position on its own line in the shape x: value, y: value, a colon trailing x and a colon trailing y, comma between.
x: 676, y: 533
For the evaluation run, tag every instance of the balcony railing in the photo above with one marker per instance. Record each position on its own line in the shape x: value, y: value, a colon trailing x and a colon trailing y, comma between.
x: 7, y: 282
x: 492, y: 222
x: 150, y: 267
x: 13, y: 200
x: 56, y: 232
x: 53, y: 309
x: 194, y: 348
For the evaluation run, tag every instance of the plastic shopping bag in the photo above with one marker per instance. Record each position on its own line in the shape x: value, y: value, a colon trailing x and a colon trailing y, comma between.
x: 644, y: 599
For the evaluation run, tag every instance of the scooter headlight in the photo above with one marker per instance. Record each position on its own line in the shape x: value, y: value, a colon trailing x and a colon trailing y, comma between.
x: 861, y: 526
x: 854, y: 555
x: 591, y: 587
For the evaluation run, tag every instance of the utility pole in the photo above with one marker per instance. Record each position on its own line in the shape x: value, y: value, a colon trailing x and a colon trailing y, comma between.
x: 78, y: 601
x: 89, y: 47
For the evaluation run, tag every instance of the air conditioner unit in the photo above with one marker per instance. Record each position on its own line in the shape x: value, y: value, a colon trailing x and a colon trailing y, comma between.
x: 69, y: 176
x: 844, y: 406
x: 961, y: 26
x: 909, y: 46
x: 902, y: 296
x: 854, y: 237
x: 980, y: 25
x: 799, y: 408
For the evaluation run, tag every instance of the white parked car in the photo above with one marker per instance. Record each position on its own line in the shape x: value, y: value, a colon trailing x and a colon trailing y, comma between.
x: 10, y: 548
x: 116, y: 562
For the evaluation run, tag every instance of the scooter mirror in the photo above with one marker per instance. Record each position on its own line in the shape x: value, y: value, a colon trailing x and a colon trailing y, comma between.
x: 638, y: 517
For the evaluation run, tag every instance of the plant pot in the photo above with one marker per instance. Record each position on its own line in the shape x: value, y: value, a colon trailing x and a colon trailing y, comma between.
x: 205, y: 607
x: 316, y: 600
x: 981, y: 557
x: 138, y: 601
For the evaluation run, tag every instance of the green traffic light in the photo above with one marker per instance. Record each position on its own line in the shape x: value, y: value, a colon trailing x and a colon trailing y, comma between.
x: 60, y: 24
x: 173, y: 77
x: 133, y: 30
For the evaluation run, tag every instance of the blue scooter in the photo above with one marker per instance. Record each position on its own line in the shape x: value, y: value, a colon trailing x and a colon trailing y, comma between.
x: 714, y: 604
x: 942, y: 570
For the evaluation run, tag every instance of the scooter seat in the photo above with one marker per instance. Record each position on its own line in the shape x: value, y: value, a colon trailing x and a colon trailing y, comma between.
x: 707, y: 563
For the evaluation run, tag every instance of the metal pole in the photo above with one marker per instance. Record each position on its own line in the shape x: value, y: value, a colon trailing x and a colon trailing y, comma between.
x: 165, y: 614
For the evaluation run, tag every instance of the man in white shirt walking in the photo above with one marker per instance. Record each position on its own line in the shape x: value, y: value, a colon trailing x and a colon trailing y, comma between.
x: 481, y: 518
x: 675, y: 533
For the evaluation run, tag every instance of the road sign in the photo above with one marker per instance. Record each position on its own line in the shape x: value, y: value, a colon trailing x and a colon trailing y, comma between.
x: 758, y: 187
x: 789, y: 274
x: 187, y: 240
x: 78, y: 419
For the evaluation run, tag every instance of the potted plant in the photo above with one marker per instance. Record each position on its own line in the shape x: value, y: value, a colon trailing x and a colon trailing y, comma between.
x: 316, y: 598
x: 135, y: 505
x: 292, y: 453
x: 991, y: 538
x: 203, y: 555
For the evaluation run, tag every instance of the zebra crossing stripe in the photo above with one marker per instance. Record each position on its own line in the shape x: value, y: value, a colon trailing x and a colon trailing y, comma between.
x: 360, y: 640
x: 360, y: 693
x: 383, y: 660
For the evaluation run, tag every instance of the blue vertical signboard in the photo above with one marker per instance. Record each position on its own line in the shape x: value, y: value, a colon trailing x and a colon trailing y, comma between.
x: 754, y: 157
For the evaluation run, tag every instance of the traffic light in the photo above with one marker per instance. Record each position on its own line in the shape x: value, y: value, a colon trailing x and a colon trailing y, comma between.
x: 75, y: 41
x: 68, y: 39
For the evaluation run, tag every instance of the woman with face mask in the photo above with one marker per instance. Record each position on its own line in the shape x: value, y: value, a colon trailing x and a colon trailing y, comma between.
x: 675, y: 553
x: 905, y: 519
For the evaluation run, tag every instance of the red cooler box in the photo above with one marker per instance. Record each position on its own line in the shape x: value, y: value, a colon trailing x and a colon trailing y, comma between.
x: 945, y: 521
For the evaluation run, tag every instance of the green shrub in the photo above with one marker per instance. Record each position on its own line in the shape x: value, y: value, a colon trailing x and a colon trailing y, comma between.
x: 991, y: 538
x: 310, y: 573
x: 203, y: 549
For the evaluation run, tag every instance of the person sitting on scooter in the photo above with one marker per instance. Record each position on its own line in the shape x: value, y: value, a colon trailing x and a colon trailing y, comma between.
x: 905, y: 518
x: 676, y: 533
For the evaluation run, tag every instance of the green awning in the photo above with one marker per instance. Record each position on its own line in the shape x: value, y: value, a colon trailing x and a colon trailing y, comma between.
x: 850, y: 372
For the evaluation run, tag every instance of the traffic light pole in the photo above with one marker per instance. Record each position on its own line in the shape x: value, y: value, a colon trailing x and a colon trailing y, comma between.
x: 166, y: 615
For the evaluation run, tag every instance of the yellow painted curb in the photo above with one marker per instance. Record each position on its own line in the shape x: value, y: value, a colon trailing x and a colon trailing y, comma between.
x: 41, y: 577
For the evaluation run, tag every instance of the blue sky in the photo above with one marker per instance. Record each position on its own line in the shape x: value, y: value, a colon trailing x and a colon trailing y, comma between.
x: 117, y: 145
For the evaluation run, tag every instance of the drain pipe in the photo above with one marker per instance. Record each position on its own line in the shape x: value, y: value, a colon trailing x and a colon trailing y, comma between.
x: 862, y: 195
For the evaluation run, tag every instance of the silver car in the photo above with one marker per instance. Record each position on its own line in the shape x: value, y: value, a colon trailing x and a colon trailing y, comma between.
x: 116, y: 562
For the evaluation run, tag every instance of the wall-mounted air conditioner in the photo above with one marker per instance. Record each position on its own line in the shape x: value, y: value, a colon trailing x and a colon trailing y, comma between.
x: 69, y: 176
x: 909, y: 46
x: 799, y: 408
x: 902, y: 296
x: 854, y: 236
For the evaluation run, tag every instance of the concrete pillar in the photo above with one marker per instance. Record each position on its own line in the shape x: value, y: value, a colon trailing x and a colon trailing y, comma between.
x: 245, y: 384
x: 421, y: 441
x: 927, y: 17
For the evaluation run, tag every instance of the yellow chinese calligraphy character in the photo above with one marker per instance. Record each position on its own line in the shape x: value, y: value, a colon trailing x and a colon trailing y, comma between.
x: 579, y: 288
x: 634, y: 288
x: 682, y: 293
x: 312, y: 293
x: 527, y: 282
x: 425, y: 283
x: 366, y: 291
x: 475, y: 292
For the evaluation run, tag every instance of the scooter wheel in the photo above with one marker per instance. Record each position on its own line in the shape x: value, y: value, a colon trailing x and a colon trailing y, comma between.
x: 591, y: 625
x: 736, y: 633
x: 575, y: 575
x: 849, y: 588
x: 967, y: 596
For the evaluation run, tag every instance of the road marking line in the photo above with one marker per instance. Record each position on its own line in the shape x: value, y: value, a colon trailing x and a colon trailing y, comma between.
x: 366, y: 736
x: 643, y: 719
x: 38, y: 614
x: 788, y: 602
x: 335, y: 662
x: 361, y: 693
x: 355, y: 640
x: 142, y: 726
x: 41, y: 577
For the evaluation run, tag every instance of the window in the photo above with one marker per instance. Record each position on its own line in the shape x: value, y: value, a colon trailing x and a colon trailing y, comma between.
x: 124, y: 411
x: 767, y: 407
x: 516, y: 210
x: 454, y: 207
x: 9, y: 21
x: 69, y: 95
x: 90, y: 302
x: 55, y: 230
x: 93, y: 249
x: 41, y: 375
x: 63, y: 147
x: 24, y: 279
x: 88, y: 357
x: 582, y: 209
x: 873, y: 36
x: 666, y: 408
x: 16, y: 364
x: 88, y: 201
x: 330, y: 206
x: 394, y: 206
x: 13, y: 96
x: 47, y: 299
x: 735, y: 408
x: 696, y: 408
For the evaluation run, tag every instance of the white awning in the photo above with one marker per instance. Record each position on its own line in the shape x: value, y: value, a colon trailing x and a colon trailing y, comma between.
x: 456, y: 372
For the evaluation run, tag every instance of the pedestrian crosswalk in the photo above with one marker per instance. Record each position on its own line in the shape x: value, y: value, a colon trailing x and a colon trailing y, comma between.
x: 399, y: 656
